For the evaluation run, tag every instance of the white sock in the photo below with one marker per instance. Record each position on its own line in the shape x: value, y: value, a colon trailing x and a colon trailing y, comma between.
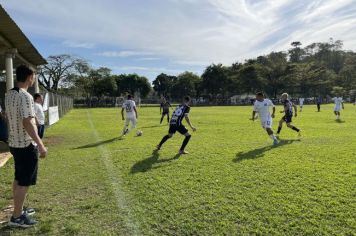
x: 273, y: 137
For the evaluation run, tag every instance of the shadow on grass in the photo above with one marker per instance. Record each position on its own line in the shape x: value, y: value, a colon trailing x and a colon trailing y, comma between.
x: 148, y: 163
x: 98, y: 143
x: 260, y: 152
x: 6, y: 230
x: 339, y: 121
x: 152, y: 126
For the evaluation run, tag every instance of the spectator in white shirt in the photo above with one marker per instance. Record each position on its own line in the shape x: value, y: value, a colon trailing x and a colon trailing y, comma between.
x: 40, y: 116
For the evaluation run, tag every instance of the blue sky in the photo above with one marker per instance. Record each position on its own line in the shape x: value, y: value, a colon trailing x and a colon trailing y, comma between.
x: 148, y: 37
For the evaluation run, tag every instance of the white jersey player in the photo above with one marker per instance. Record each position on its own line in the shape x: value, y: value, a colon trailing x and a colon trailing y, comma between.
x: 129, y: 107
x: 262, y: 107
x: 339, y: 103
x: 301, y: 103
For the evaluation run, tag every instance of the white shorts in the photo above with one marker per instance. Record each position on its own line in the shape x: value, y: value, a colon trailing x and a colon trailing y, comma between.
x: 266, y: 122
x: 337, y: 108
x: 133, y: 121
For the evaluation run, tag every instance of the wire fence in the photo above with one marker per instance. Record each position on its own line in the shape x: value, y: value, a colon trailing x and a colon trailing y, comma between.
x: 64, y: 104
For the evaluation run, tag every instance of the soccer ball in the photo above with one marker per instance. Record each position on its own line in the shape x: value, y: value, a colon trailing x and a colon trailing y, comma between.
x: 139, y: 133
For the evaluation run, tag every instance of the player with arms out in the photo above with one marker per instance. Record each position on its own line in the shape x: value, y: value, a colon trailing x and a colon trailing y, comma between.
x: 164, y: 109
x: 175, y: 125
x: 131, y: 115
x: 262, y: 108
x: 288, y: 114
x: 339, y: 103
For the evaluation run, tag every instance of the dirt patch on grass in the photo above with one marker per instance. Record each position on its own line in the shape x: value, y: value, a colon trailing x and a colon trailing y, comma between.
x: 53, y: 140
x: 4, y: 157
x: 5, y: 214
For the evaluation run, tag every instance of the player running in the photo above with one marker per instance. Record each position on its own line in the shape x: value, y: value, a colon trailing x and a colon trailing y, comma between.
x: 165, y: 105
x: 338, y: 104
x: 261, y: 106
x: 175, y: 125
x: 288, y: 114
x: 319, y: 100
x: 301, y: 103
x: 131, y: 115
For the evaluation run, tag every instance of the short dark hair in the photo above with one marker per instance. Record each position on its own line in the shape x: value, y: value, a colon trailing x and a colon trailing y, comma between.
x: 187, y: 98
x: 22, y: 73
x: 129, y: 96
x: 260, y: 94
x: 36, y: 95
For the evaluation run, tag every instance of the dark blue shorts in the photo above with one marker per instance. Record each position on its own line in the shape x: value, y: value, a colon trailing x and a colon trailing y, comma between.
x: 287, y: 118
x: 180, y: 128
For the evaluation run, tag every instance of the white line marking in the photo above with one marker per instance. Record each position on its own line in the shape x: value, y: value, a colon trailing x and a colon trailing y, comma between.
x: 116, y: 183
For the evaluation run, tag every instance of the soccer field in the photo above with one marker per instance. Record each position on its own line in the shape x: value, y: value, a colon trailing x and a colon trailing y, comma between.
x: 233, y: 182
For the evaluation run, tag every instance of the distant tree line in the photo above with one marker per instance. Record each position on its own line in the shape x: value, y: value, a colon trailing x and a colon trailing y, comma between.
x: 318, y: 69
x: 73, y: 76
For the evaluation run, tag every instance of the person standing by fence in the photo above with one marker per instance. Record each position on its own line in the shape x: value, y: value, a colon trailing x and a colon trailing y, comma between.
x: 24, y: 143
x: 40, y: 116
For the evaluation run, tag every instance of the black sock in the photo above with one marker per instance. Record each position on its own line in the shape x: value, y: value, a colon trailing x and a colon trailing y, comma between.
x: 279, y: 129
x: 295, y: 128
x: 185, y: 142
x: 164, y: 139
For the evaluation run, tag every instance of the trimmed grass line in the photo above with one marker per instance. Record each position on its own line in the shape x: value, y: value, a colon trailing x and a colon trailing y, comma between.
x: 115, y: 183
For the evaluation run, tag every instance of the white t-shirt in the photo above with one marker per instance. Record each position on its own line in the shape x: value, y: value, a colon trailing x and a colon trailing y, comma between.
x: 262, y: 108
x: 39, y: 113
x: 129, y: 106
x: 301, y: 101
x: 19, y: 105
x: 338, y: 101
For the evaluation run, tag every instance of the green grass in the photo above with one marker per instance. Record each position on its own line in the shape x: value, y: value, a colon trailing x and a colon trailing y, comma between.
x: 232, y: 182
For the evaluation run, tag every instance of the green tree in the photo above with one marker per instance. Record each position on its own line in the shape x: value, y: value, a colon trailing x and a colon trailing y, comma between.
x: 59, y: 71
x: 273, y: 68
x: 216, y: 81
x: 163, y: 84
x: 132, y: 83
x: 187, y: 84
x: 296, y: 54
x: 105, y: 86
x: 253, y: 78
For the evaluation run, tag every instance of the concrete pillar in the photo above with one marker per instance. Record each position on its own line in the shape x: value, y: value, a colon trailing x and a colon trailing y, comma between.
x: 37, y: 87
x: 9, y: 71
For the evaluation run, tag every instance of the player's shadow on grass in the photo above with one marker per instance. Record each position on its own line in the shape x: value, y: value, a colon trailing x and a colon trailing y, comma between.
x: 92, y: 145
x: 152, y: 126
x: 6, y: 230
x: 148, y: 163
x: 260, y: 152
